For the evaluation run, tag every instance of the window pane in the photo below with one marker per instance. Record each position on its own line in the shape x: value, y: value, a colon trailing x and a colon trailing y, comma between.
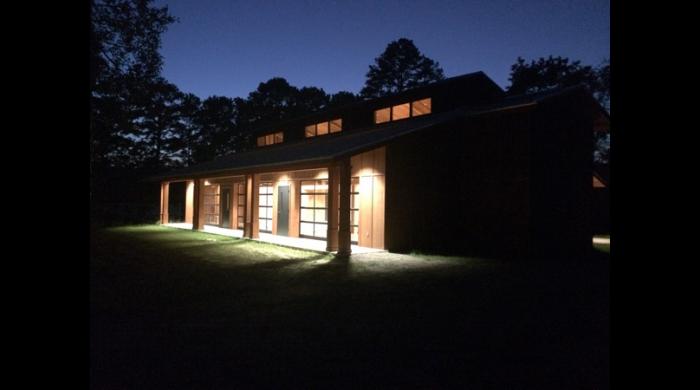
x: 354, y: 217
x: 307, y: 214
x: 307, y: 187
x: 354, y: 234
x: 307, y: 229
x: 320, y: 201
x: 421, y: 107
x: 336, y: 125
x: 307, y: 200
x: 320, y: 215
x: 268, y: 139
x: 400, y: 112
x: 355, y: 202
x: 320, y: 230
x: 261, y: 141
x: 262, y: 212
x: 383, y: 115
x: 321, y: 186
x: 322, y: 128
x: 279, y: 137
x: 310, y: 131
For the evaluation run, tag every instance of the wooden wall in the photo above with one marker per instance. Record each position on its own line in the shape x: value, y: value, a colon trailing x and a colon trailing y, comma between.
x: 189, y: 201
x: 370, y: 168
x: 293, y: 180
x: 460, y: 188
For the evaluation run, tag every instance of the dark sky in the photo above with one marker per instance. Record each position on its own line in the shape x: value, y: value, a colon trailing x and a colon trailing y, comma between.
x: 227, y: 47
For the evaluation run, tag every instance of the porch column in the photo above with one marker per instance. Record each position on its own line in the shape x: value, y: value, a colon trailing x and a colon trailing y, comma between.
x: 255, y: 222
x: 247, y: 224
x: 164, y: 195
x: 189, y: 201
x: 197, y: 219
x: 251, y: 206
x: 332, y: 232
x: 344, y: 218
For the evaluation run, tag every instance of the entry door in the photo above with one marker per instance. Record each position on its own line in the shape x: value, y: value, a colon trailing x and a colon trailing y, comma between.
x: 225, y: 207
x: 283, y: 211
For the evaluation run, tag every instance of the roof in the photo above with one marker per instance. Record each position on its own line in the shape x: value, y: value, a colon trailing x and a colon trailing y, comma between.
x: 325, y: 149
x: 475, y: 80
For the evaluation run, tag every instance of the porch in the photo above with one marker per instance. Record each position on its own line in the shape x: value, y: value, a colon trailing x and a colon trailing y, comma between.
x: 293, y: 242
x: 336, y: 207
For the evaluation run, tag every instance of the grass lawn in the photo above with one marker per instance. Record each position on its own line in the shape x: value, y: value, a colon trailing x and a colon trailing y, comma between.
x: 180, y: 309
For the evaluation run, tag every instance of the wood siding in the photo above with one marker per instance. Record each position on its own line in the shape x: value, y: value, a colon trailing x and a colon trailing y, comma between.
x: 370, y: 168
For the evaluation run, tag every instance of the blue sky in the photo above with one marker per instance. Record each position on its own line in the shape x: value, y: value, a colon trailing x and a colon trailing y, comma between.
x: 227, y: 48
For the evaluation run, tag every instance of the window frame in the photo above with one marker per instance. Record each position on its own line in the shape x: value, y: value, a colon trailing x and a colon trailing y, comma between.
x: 329, y: 127
x: 410, y: 111
x: 313, y: 208
x: 270, y: 139
x: 268, y: 205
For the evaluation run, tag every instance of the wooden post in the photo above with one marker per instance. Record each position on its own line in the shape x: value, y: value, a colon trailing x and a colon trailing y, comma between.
x: 189, y: 201
x: 247, y: 220
x: 255, y: 199
x: 164, y: 195
x: 332, y: 232
x: 197, y: 220
x: 344, y: 218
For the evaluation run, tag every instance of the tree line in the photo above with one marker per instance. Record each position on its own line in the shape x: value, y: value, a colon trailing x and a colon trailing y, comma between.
x: 140, y: 121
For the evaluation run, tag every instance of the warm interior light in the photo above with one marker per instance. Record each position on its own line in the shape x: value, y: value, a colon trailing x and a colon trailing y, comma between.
x: 207, y: 183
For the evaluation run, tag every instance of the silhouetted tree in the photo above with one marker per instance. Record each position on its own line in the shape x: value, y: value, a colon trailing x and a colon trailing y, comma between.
x: 310, y: 99
x: 603, y: 74
x: 400, y: 67
x: 554, y: 72
x: 190, y: 130
x: 124, y: 58
x: 159, y: 129
x: 217, y: 129
x: 343, y: 98
x: 273, y: 101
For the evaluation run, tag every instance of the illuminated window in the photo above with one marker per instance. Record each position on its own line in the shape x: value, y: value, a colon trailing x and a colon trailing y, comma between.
x: 403, y: 111
x: 271, y: 139
x: 383, y: 115
x: 310, y: 131
x: 313, y: 221
x: 265, y: 207
x: 323, y: 128
x: 421, y: 107
x: 336, y: 125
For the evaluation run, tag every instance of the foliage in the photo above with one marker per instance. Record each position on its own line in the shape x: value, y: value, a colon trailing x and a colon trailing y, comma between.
x: 125, y: 67
x: 556, y: 72
x: 400, y: 67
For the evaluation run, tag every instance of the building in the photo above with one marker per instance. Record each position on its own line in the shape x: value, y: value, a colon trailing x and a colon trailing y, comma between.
x: 452, y: 167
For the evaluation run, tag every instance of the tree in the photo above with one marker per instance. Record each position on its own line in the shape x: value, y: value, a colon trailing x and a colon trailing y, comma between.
x: 216, y: 128
x: 273, y: 101
x: 124, y: 58
x: 555, y: 72
x: 400, y: 67
x: 342, y: 98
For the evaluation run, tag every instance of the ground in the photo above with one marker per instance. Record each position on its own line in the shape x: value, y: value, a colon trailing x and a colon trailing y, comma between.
x: 181, y: 309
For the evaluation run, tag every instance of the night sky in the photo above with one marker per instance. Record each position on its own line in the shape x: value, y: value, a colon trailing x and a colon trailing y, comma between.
x: 227, y: 47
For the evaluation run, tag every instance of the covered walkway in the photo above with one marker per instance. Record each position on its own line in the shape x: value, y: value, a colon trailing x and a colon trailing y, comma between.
x: 293, y: 242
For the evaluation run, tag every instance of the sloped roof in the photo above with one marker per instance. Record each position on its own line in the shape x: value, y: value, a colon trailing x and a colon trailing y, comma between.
x: 329, y: 147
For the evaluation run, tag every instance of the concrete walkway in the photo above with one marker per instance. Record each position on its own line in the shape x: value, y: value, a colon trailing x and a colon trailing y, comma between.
x: 601, y: 240
x: 293, y: 242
